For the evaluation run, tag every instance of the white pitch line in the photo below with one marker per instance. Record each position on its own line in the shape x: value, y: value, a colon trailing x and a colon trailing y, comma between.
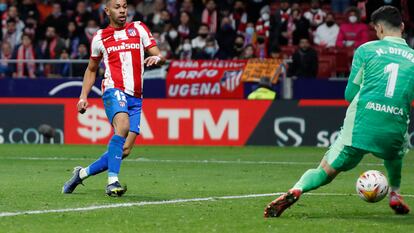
x: 179, y: 161
x: 166, y: 202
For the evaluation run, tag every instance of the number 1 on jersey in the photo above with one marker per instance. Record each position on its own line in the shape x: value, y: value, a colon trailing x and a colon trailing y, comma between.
x: 392, y: 69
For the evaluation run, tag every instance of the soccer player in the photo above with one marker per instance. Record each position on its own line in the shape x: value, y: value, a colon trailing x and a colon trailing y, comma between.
x: 121, y: 46
x: 380, y: 91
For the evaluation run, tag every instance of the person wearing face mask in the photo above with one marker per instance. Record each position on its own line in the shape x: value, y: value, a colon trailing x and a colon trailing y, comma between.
x: 199, y: 42
x: 171, y: 37
x: 225, y: 39
x: 315, y: 14
x: 353, y: 33
x: 263, y: 26
x: 209, y: 51
x: 326, y: 34
x: 238, y: 46
x: 185, y: 51
x: 90, y: 29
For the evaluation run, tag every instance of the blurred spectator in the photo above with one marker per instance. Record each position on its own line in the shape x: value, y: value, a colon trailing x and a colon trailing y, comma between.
x: 264, y: 91
x: 162, y: 44
x: 250, y: 34
x: 12, y: 35
x: 248, y: 52
x: 294, y: 28
x: 146, y: 7
x: 64, y: 68
x: 133, y: 14
x: 184, y: 50
x: 81, y: 15
x: 210, y: 16
x: 3, y: 6
x: 199, y: 42
x: 45, y: 9
x: 280, y: 17
x: 238, y: 46
x: 5, y: 54
x: 57, y: 19
x: 171, y: 37
x: 73, y: 39
x: 208, y: 52
x: 353, y: 33
x: 31, y: 29
x: 25, y: 51
x: 339, y: 6
x: 172, y: 7
x: 186, y: 26
x: 327, y: 33
x: 78, y: 69
x: 12, y: 13
x: 315, y: 15
x: 153, y: 19
x: 256, y: 8
x: 225, y: 39
x: 90, y: 29
x: 239, y: 16
x: 28, y: 8
x: 51, y: 48
x: 304, y: 61
x: 261, y: 47
x: 263, y: 24
x: 275, y: 53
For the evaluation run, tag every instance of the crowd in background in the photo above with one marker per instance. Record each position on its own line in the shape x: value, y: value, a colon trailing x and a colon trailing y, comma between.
x: 187, y: 29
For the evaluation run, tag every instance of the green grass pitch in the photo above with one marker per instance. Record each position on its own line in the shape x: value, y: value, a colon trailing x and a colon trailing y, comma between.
x: 32, y: 177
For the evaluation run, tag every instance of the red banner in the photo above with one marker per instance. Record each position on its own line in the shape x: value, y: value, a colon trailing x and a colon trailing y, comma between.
x: 205, y: 79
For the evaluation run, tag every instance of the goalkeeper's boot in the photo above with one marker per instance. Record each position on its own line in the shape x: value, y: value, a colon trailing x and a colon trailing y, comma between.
x: 397, y: 204
x: 71, y: 184
x: 276, y: 207
x: 115, y: 189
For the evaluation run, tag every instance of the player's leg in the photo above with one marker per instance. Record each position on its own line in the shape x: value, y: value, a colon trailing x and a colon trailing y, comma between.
x: 338, y: 158
x: 393, y: 165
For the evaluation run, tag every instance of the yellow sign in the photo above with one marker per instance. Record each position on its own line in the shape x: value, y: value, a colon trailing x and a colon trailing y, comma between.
x: 258, y: 68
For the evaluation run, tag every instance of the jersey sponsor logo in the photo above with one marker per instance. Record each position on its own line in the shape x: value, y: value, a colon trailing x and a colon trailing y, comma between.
x: 384, y: 108
x: 123, y: 46
x: 287, y: 136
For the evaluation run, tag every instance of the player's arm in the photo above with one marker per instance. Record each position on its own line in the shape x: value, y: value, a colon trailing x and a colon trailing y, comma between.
x: 88, y: 81
x: 356, y: 76
x: 155, y: 57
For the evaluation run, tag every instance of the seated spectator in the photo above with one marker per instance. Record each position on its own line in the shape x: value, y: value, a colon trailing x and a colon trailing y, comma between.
x: 184, y: 50
x: 57, y: 19
x: 264, y: 91
x: 28, y: 8
x: 275, y: 53
x: 239, y: 16
x: 327, y: 33
x: 354, y: 33
x: 339, y: 6
x: 12, y: 35
x: 154, y: 18
x: 276, y: 20
x: 304, y: 61
x: 199, y: 42
x: 25, y: 51
x: 248, y: 52
x: 82, y: 15
x: 73, y: 39
x: 294, y: 28
x: 90, y: 29
x: 6, y: 53
x: 225, y: 39
x: 261, y: 47
x: 250, y: 33
x: 209, y: 51
x: 162, y: 44
x: 51, y: 48
x: 63, y: 69
x: 315, y: 15
x: 171, y: 37
x: 186, y: 26
x: 210, y: 16
x: 78, y: 69
x: 32, y: 29
x: 238, y: 46
x: 13, y: 14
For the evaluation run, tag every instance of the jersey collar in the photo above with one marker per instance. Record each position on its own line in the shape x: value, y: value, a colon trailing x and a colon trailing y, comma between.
x: 394, y: 39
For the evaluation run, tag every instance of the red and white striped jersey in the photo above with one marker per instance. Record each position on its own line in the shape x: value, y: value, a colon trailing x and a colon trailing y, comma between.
x: 122, y: 50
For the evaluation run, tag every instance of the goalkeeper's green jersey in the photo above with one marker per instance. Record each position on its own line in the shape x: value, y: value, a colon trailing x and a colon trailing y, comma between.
x: 381, y: 90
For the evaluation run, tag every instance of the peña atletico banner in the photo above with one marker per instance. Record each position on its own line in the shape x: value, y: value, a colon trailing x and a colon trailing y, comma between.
x: 197, y: 79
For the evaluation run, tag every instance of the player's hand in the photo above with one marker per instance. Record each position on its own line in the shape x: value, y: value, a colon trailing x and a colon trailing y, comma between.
x: 152, y: 60
x: 82, y: 105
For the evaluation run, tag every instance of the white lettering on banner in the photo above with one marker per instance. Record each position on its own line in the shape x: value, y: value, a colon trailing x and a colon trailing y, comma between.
x: 145, y: 131
x: 30, y: 136
x: 194, y: 89
x: 229, y: 119
x: 194, y: 74
x: 96, y: 125
x: 173, y: 116
x: 324, y: 139
x: 289, y: 132
x: 208, y: 63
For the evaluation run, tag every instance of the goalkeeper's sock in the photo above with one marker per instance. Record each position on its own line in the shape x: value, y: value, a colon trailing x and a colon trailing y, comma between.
x: 115, y: 149
x: 394, y: 172
x: 312, y: 179
x: 98, y: 166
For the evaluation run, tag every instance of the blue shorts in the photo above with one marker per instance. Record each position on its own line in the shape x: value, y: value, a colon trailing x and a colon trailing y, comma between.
x: 116, y: 101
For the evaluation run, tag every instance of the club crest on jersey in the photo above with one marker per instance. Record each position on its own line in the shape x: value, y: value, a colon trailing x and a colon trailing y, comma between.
x: 132, y: 32
x: 122, y: 104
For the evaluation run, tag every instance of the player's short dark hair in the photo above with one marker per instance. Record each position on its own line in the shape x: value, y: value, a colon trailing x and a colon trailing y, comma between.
x: 387, y: 14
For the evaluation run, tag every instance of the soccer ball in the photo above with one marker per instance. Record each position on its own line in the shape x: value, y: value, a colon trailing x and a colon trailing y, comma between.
x: 372, y: 186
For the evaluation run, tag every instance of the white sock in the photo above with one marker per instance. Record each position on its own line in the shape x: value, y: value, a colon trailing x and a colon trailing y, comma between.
x: 83, y: 174
x: 112, y: 179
